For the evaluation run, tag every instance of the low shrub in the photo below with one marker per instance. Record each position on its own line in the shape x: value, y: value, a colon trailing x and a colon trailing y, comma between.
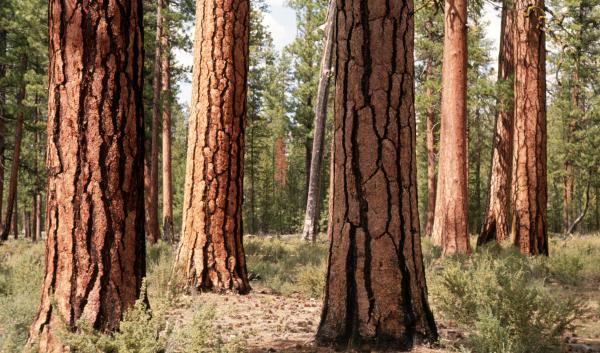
x: 496, y: 297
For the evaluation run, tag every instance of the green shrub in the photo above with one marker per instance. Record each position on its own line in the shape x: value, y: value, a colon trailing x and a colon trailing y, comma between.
x: 311, y: 280
x: 495, y: 296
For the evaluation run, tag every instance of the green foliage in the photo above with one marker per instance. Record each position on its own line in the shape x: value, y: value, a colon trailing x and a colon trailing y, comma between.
x: 288, y: 265
x: 21, y: 265
x: 497, y: 295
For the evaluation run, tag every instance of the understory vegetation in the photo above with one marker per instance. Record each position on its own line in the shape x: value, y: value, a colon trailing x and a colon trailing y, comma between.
x: 497, y: 300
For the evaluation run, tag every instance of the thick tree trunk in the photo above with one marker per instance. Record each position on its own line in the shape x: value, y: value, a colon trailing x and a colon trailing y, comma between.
x: 313, y: 200
x: 11, y: 199
x: 496, y: 224
x: 530, y: 185
x: 211, y: 253
x: 375, y: 296
x: 95, y: 245
x: 450, y: 226
x: 431, y: 152
x: 153, y: 230
x: 167, y: 179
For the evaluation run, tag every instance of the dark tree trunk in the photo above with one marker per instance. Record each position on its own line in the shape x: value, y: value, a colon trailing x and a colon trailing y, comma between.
x: 431, y: 152
x: 496, y: 224
x: 375, y: 296
x: 11, y: 199
x: 530, y: 185
x: 313, y: 200
x: 95, y: 245
x: 167, y: 179
x: 211, y: 253
x: 14, y: 221
x: 450, y: 226
x: 2, y: 118
x: 26, y: 218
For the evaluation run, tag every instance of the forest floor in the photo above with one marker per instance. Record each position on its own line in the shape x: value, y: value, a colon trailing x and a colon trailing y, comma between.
x: 479, y: 301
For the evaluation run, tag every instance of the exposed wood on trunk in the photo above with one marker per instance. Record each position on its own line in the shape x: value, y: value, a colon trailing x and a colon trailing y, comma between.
x: 530, y: 191
x: 153, y: 231
x: 211, y: 254
x: 375, y: 295
x: 167, y: 179
x: 95, y: 246
x: 586, y: 206
x: 450, y: 226
x: 313, y: 200
x: 496, y: 224
x: 11, y: 199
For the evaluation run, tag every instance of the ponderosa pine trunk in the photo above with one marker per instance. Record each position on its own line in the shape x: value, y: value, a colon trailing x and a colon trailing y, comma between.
x: 11, y: 198
x: 450, y: 226
x: 167, y: 179
x: 530, y: 191
x: 313, y: 200
x: 496, y: 223
x: 95, y: 242
x: 375, y: 296
x: 211, y: 254
x: 153, y: 229
x: 431, y: 152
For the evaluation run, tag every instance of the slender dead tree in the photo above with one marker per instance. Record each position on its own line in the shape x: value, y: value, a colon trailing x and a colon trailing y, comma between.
x: 450, y: 225
x: 95, y: 242
x: 211, y: 253
x: 530, y: 189
x: 375, y: 296
x: 311, y: 219
x: 496, y: 220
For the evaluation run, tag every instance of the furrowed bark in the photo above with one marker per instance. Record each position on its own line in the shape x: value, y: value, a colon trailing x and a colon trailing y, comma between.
x: 450, y: 226
x: 496, y: 223
x: 167, y: 179
x: 311, y: 219
x: 375, y: 296
x: 95, y: 243
x: 211, y: 253
x: 530, y: 185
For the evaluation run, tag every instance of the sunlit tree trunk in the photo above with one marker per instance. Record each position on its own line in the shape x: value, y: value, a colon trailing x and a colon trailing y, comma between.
x: 313, y: 200
x: 375, y: 295
x: 450, y: 226
x: 95, y: 244
x: 496, y: 220
x: 211, y: 253
x: 167, y: 179
x: 530, y: 186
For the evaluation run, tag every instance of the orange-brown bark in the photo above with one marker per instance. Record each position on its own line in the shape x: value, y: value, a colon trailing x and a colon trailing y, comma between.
x: 167, y: 179
x: 375, y: 296
x: 431, y: 162
x: 450, y: 226
x: 95, y: 246
x: 496, y: 222
x: 3, y: 46
x: 211, y: 253
x: 529, y: 160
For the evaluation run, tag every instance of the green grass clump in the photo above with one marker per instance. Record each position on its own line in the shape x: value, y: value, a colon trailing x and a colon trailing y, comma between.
x: 496, y: 295
x: 288, y: 265
x: 21, y: 272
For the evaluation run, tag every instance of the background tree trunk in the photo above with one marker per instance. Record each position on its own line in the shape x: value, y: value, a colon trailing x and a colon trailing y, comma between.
x: 569, y: 183
x: 530, y: 185
x: 14, y: 170
x: 496, y: 222
x: 211, y: 253
x: 313, y: 200
x: 167, y: 179
x: 95, y: 247
x: 431, y: 152
x: 450, y: 226
x: 2, y: 118
x: 153, y: 225
x: 14, y: 221
x: 375, y: 296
